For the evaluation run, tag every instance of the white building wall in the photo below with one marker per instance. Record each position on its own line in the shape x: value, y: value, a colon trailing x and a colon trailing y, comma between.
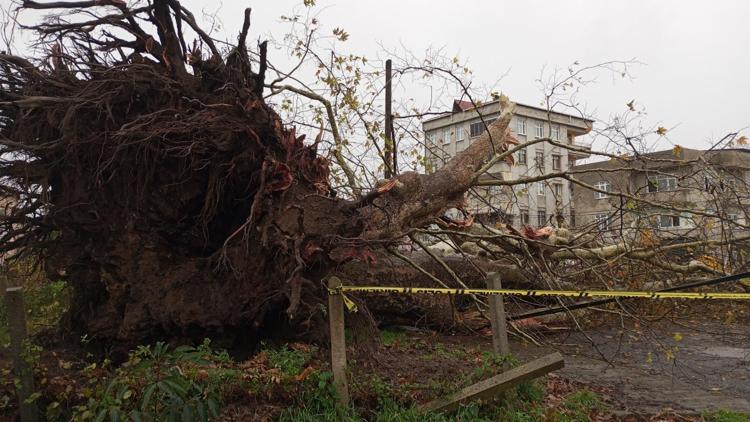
x: 444, y: 142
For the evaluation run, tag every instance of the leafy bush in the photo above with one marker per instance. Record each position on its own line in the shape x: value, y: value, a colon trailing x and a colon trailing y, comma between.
x: 287, y: 360
x: 159, y: 384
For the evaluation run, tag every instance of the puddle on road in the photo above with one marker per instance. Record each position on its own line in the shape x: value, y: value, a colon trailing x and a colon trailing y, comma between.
x: 727, y: 352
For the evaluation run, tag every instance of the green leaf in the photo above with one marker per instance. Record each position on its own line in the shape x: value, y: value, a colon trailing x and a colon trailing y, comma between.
x: 213, y: 406
x: 173, y: 415
x: 176, y: 385
x: 100, y: 417
x: 148, y: 393
x: 136, y: 416
x: 187, y: 414
x: 114, y: 414
x: 202, y: 412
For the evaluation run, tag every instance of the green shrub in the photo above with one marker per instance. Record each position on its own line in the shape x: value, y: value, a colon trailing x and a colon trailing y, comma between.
x: 289, y: 361
x: 159, y: 384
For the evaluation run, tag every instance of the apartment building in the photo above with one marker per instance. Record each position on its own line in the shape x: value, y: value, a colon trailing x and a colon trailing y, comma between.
x: 670, y: 186
x: 535, y: 204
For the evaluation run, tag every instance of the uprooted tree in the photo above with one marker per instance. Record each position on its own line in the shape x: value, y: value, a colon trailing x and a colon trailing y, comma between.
x: 160, y: 184
x: 147, y: 170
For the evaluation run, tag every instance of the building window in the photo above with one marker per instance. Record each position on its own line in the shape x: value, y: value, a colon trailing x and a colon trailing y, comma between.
x: 525, y: 217
x: 476, y: 129
x: 556, y: 132
x: 521, y: 126
x: 446, y: 136
x: 662, y: 183
x: 733, y: 217
x: 460, y: 133
x: 539, y: 130
x: 432, y: 138
x: 521, y: 156
x: 556, y: 160
x: 558, y: 190
x: 539, y: 160
x: 601, y: 186
x: 540, y: 189
x: 602, y: 221
x: 668, y: 221
x: 541, y: 218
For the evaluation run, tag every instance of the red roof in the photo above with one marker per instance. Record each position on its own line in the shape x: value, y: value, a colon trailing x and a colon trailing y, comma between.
x: 460, y: 105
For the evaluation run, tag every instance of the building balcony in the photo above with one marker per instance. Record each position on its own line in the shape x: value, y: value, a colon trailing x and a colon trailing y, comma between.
x: 583, y: 150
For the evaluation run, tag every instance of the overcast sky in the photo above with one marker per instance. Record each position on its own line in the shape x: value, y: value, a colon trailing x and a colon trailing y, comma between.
x: 695, y: 55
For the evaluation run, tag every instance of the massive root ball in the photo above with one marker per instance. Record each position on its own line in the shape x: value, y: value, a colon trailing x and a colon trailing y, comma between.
x: 162, y: 195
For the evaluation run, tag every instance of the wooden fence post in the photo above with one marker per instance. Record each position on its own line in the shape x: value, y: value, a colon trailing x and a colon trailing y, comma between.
x: 497, y: 317
x: 495, y: 386
x: 338, y: 341
x: 17, y: 327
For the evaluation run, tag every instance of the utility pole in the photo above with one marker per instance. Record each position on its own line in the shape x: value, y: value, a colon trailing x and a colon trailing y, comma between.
x: 390, y: 150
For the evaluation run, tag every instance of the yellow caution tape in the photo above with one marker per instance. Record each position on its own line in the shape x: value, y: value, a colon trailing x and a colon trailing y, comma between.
x: 519, y: 292
x: 350, y: 305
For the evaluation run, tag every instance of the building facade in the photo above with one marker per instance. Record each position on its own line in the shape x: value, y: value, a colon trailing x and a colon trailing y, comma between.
x: 535, y: 204
x: 672, y: 191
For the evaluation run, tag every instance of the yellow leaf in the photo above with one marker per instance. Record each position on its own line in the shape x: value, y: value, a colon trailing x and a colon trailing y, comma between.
x: 649, y: 358
x: 677, y: 337
x: 677, y: 151
x: 742, y: 140
x: 648, y: 238
x: 710, y: 261
x: 661, y: 131
x: 670, y: 354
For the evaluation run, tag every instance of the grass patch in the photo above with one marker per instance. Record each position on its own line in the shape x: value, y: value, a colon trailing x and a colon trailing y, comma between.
x: 723, y: 415
x: 393, y: 337
x: 445, y: 353
x: 580, y: 404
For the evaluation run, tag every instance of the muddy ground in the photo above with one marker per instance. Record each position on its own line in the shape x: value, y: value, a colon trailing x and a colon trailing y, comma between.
x: 695, y: 367
x: 681, y: 365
